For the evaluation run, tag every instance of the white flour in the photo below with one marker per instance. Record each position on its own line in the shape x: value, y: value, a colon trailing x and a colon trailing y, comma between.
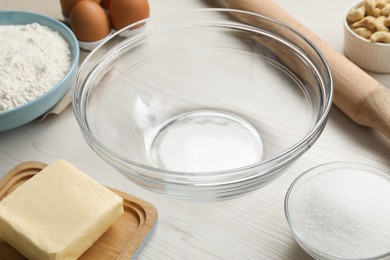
x: 33, y: 58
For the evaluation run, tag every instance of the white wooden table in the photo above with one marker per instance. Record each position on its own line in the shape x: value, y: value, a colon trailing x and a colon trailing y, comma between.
x: 250, y: 227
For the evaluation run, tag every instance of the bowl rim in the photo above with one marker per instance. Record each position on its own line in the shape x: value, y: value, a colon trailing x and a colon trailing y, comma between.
x: 315, y: 172
x: 75, y: 56
x: 314, y: 131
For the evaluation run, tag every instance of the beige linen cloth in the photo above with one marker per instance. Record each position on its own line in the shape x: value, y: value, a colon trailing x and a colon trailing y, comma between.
x: 59, y: 107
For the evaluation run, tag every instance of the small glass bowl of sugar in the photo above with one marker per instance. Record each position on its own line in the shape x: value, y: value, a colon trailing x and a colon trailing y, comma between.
x: 341, y: 210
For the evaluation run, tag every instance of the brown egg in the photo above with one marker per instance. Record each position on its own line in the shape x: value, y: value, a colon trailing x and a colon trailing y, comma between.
x: 125, y: 12
x: 105, y: 3
x: 89, y: 21
x: 67, y: 6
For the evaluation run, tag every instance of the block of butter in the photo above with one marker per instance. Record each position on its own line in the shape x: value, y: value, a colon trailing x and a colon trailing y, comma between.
x: 57, y: 214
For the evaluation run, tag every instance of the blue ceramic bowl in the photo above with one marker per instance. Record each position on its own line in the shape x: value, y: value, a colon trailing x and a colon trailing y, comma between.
x: 23, y: 114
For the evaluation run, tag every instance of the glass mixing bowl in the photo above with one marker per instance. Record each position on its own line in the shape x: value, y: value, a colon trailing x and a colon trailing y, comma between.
x: 203, y: 104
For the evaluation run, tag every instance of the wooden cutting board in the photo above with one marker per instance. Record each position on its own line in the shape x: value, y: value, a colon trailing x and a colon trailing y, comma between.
x: 121, y: 241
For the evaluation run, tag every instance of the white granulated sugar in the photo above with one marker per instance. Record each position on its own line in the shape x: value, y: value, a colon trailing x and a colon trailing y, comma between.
x: 345, y: 213
x: 33, y: 59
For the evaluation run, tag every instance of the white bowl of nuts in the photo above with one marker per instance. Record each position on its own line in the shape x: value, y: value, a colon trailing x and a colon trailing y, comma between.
x: 367, y: 35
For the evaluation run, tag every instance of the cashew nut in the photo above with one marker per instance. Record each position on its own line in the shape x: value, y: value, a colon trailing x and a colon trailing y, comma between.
x: 387, y: 21
x: 380, y: 3
x: 363, y: 32
x: 380, y: 24
x: 372, y: 23
x: 356, y: 14
x: 383, y: 37
x: 385, y: 11
x: 376, y: 12
x: 370, y: 6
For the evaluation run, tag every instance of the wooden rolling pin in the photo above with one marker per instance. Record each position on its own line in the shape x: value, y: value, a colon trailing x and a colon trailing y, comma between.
x: 356, y: 93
